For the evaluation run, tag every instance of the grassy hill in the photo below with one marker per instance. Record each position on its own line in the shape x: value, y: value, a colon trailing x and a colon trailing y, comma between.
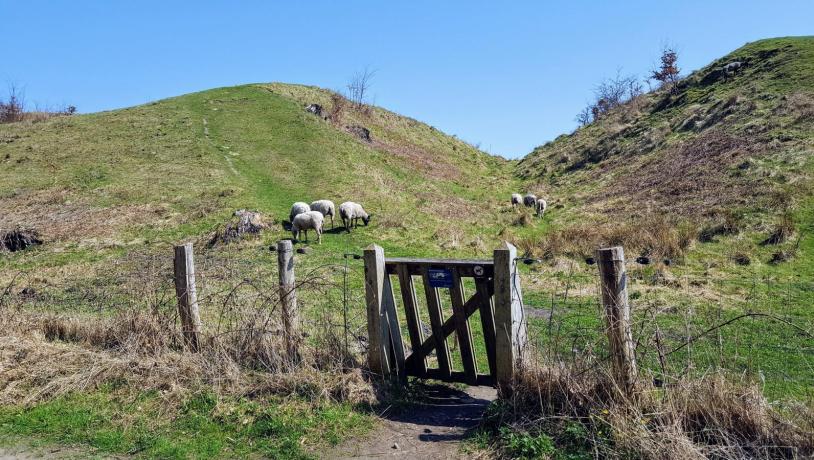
x: 106, y: 183
x: 727, y: 150
x: 715, y: 177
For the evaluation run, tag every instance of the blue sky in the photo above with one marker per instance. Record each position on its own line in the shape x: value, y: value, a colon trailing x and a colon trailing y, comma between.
x: 506, y: 75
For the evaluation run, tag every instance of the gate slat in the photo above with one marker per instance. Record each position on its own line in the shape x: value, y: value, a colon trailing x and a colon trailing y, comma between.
x: 437, y: 322
x: 397, y: 345
x: 447, y: 328
x: 487, y: 318
x: 410, y: 300
x: 463, y: 329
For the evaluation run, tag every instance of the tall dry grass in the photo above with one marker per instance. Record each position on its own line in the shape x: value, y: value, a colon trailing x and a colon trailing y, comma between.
x: 137, y: 339
x: 652, y: 235
x: 713, y: 416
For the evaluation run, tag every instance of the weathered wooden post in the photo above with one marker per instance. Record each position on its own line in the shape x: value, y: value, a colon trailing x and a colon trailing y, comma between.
x: 288, y: 298
x: 385, y: 347
x: 611, y: 263
x: 510, y: 323
x: 184, y: 270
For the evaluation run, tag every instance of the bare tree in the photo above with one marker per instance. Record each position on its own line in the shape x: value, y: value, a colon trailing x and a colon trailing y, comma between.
x: 585, y: 117
x: 668, y: 72
x: 13, y: 108
x: 359, y: 87
x: 610, y: 94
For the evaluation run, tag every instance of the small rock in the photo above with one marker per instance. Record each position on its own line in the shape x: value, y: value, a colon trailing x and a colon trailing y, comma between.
x: 305, y: 250
x: 427, y: 430
x: 18, y: 239
x: 316, y: 109
x: 360, y: 131
x: 396, y: 446
x: 273, y: 248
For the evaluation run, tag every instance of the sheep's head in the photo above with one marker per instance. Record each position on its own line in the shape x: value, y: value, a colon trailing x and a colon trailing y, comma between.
x: 366, y: 220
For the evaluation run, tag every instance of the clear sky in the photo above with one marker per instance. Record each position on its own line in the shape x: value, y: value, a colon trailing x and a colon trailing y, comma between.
x: 507, y: 75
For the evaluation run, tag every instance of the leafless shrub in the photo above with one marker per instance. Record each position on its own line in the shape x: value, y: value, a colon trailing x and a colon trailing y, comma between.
x: 359, y: 87
x: 609, y: 95
x: 13, y: 107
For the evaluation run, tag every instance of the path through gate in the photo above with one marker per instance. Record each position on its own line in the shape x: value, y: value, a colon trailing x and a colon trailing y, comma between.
x: 497, y: 296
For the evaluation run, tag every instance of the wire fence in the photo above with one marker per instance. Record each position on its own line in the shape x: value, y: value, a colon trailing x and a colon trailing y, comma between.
x: 758, y: 327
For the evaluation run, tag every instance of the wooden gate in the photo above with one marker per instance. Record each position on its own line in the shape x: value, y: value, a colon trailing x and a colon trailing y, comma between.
x: 496, y: 296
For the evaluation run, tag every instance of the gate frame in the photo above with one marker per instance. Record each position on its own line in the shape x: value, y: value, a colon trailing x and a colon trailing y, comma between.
x: 497, y: 296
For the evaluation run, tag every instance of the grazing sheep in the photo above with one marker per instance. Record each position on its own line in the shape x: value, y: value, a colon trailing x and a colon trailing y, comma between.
x: 309, y: 220
x: 351, y: 212
x: 326, y: 207
x: 298, y: 208
x: 540, y: 207
x: 530, y: 200
x: 516, y: 199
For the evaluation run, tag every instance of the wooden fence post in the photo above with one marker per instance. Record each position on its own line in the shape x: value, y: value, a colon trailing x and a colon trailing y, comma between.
x: 288, y: 298
x: 184, y: 269
x: 510, y: 322
x: 611, y: 263
x: 385, y: 347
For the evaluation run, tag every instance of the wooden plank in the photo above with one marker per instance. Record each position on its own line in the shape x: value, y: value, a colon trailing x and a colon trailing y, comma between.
x: 378, y: 356
x: 438, y: 336
x: 446, y: 329
x: 463, y: 329
x: 409, y: 298
x: 394, y: 329
x: 510, y: 324
x: 288, y: 298
x: 458, y: 376
x: 611, y: 264
x: 184, y: 268
x: 487, y: 320
x: 465, y: 268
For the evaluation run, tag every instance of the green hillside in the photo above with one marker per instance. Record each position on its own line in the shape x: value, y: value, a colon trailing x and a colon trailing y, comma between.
x: 110, y: 182
x: 710, y: 183
x: 719, y: 148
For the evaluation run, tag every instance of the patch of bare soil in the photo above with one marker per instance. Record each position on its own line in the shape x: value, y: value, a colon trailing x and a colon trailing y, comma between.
x: 693, y: 177
x: 426, y: 162
x: 24, y: 451
x: 432, y: 429
x: 58, y: 219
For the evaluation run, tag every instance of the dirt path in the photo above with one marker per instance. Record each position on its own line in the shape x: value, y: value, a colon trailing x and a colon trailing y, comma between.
x: 23, y: 451
x: 226, y: 157
x: 430, y: 429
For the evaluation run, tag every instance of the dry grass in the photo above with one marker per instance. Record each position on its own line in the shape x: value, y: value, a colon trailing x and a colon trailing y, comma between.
x: 651, y: 235
x: 45, y: 356
x: 708, y: 417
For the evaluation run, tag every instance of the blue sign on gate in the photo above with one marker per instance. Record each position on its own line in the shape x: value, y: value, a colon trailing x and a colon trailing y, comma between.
x: 440, y: 278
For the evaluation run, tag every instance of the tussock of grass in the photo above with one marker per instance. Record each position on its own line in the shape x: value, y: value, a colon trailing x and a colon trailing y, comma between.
x: 712, y: 416
x: 651, y: 235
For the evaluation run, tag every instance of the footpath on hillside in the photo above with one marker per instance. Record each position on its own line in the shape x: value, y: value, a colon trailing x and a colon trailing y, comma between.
x: 431, y: 428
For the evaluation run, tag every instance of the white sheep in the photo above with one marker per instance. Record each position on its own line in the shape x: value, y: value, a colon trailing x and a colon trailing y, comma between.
x: 540, y: 207
x: 326, y: 207
x: 351, y: 212
x: 297, y: 208
x: 530, y: 200
x: 516, y: 199
x: 309, y: 220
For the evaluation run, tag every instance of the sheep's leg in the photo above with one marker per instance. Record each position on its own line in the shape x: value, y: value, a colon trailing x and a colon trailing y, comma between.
x: 319, y: 237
